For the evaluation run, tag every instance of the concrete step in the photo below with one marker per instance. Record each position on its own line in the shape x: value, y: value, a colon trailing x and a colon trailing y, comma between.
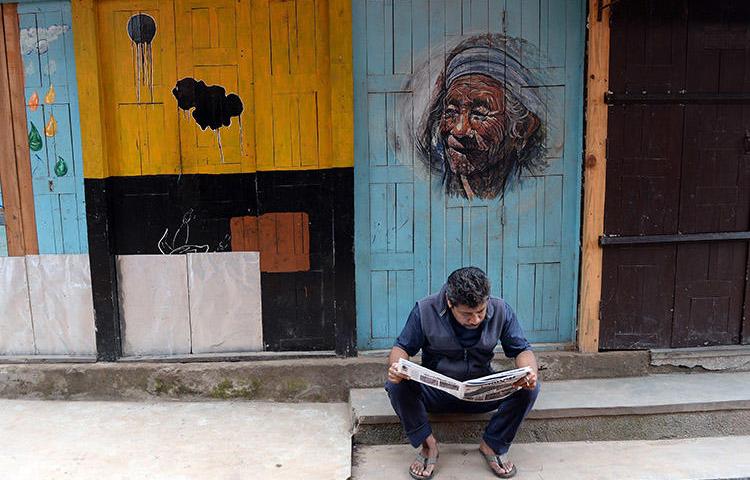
x: 640, y: 408
x: 685, y: 459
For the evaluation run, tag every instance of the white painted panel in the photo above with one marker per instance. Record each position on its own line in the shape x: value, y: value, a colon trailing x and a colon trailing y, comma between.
x: 225, y: 307
x: 61, y: 304
x: 154, y: 311
x: 16, y: 331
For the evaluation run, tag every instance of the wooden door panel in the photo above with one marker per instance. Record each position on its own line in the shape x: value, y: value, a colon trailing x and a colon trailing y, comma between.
x: 51, y: 100
x: 709, y: 294
x: 637, y: 297
x: 400, y: 48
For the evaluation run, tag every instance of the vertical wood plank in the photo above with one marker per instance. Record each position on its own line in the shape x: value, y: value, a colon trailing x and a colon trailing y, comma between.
x: 595, y: 165
x: 92, y: 124
x: 20, y: 140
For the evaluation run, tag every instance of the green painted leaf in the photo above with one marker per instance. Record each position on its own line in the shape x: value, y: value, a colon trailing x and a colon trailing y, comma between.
x: 35, y: 140
x: 61, y: 168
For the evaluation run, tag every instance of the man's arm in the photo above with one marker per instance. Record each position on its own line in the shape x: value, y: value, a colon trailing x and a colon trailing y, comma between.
x: 527, y: 359
x: 393, y: 357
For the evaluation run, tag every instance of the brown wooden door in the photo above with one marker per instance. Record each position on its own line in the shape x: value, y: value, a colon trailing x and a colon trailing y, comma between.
x: 677, y: 168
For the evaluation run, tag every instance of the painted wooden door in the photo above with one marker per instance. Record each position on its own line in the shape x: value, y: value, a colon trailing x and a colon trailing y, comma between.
x: 677, y: 169
x: 410, y: 233
x: 53, y: 123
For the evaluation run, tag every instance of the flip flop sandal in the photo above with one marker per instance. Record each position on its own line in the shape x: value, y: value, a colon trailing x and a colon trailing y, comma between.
x: 502, y: 461
x: 424, y: 461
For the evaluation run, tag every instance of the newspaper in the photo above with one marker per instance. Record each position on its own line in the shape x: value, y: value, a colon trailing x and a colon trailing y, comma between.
x: 492, y: 387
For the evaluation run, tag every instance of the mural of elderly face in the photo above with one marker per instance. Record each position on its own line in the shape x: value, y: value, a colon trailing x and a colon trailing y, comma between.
x: 479, y: 133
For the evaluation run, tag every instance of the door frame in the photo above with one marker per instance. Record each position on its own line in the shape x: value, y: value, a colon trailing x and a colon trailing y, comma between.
x: 15, y: 169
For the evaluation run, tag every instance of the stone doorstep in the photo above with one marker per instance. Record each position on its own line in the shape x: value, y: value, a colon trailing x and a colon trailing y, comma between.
x: 664, y: 406
x: 683, y: 459
x: 655, y: 394
x: 728, y: 357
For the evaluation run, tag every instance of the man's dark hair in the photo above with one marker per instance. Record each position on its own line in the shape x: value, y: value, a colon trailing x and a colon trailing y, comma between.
x: 468, y: 286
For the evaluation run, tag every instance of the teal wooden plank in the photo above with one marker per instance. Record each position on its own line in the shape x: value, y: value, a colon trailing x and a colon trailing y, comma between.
x: 496, y: 9
x: 513, y: 17
x: 392, y: 319
x: 552, y: 211
x: 551, y: 297
x: 362, y: 258
x: 453, y: 19
x: 69, y: 224
x: 378, y: 218
x: 390, y: 208
x: 420, y: 40
x: 526, y: 212
x: 403, y: 144
x: 405, y: 218
x: 522, y: 297
x: 479, y: 20
x: 388, y: 32
x: 556, y: 36
x: 538, y: 290
x: 479, y: 237
x: 3, y: 242
x: 376, y: 51
x: 379, y: 304
x: 377, y: 126
x: 406, y: 299
x: 402, y: 36
x: 391, y: 121
x: 454, y: 241
x: 530, y: 31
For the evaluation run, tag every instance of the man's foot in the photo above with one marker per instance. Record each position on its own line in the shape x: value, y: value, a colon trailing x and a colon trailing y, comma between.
x: 500, y: 465
x: 424, y: 466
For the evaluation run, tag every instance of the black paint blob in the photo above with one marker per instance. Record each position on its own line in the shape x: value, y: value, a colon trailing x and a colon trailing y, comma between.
x: 213, y: 107
x: 141, y: 28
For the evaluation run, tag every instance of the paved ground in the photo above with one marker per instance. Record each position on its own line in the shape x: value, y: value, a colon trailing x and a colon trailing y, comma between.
x: 703, y: 458
x: 173, y: 440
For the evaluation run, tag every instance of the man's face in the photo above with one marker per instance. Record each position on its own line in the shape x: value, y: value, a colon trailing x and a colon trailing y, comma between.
x: 473, y: 123
x: 469, y: 317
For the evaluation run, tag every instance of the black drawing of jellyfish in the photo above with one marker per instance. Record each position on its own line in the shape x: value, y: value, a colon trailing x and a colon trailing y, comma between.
x: 213, y: 108
x: 142, y: 30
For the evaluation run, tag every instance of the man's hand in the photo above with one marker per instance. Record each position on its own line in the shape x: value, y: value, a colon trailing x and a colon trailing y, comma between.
x: 528, y: 382
x: 527, y: 359
x: 395, y: 355
x: 394, y: 376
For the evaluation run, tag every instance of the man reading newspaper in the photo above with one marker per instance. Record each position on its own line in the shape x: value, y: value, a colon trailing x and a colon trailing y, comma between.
x: 457, y: 330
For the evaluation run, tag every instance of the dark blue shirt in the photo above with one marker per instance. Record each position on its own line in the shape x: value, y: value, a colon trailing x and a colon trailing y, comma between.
x: 511, y: 338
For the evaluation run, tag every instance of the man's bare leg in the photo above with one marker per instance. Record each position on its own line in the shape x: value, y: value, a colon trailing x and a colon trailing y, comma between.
x: 487, y: 450
x: 429, y: 449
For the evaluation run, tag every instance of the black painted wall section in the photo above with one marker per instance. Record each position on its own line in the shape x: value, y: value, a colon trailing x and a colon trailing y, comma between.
x: 312, y: 310
x: 103, y: 270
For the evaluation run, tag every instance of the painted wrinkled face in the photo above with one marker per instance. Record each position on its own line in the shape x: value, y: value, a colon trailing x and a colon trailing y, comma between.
x: 473, y: 123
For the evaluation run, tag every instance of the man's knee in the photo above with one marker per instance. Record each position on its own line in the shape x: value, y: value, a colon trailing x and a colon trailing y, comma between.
x: 529, y: 396
x: 398, y: 390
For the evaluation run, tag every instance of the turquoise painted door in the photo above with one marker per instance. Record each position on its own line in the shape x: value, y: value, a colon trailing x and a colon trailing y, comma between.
x: 53, y: 123
x: 413, y: 226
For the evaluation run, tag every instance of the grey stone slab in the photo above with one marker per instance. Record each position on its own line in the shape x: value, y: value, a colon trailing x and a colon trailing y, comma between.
x: 654, y: 394
x: 154, y: 309
x: 225, y: 302
x: 725, y: 357
x: 174, y: 440
x: 683, y: 459
x: 62, y: 307
x: 16, y: 329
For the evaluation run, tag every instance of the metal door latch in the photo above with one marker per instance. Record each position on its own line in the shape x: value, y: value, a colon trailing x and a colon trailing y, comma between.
x: 746, y: 142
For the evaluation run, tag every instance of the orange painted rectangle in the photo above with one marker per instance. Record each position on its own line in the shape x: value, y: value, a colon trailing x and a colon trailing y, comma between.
x: 283, y: 240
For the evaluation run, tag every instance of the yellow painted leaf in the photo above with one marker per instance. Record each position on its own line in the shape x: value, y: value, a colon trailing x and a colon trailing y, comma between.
x: 34, y: 101
x: 51, y: 128
x: 50, y: 97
